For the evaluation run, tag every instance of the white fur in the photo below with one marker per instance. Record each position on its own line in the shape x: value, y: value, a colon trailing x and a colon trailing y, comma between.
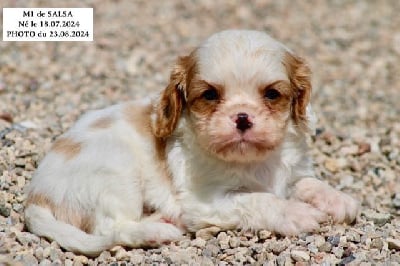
x: 229, y: 53
x: 116, y: 172
x: 109, y: 177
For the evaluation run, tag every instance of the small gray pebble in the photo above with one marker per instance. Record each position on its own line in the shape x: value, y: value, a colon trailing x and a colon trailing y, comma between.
x: 393, y: 243
x: 45, y: 262
x: 319, y: 240
x: 4, y: 211
x: 46, y: 252
x: 104, y: 256
x: 198, y: 242
x: 309, y: 239
x: 28, y: 259
x: 234, y: 242
x: 223, y: 240
x: 338, y: 251
x: 395, y: 257
x: 284, y: 259
x: 333, y: 240
x: 300, y: 255
x: 68, y: 262
x: 39, y: 253
x: 212, y: 250
x: 264, y: 234
x: 396, y: 201
x: 27, y: 238
x: 347, y: 260
x: 276, y: 246
x: 136, y: 259
x: 18, y: 207
x: 377, y: 243
x: 257, y: 248
x: 55, y: 254
x: 312, y: 248
x: 377, y: 217
x: 184, y: 243
x: 326, y: 247
x: 353, y: 236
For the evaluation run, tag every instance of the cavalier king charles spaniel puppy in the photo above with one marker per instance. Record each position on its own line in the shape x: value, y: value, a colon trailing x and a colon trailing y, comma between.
x: 224, y: 144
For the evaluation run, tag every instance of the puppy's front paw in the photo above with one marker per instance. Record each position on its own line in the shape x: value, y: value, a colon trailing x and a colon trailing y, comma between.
x: 340, y: 206
x: 297, y: 217
x: 147, y: 233
x: 161, y: 233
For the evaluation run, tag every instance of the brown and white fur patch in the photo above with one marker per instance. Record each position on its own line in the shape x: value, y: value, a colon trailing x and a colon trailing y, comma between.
x: 223, y: 145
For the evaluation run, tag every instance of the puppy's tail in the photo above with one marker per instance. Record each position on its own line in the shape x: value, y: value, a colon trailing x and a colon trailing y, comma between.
x: 42, y: 222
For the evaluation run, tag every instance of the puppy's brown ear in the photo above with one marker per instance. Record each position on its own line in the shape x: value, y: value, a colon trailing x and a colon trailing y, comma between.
x: 300, y: 79
x: 172, y: 100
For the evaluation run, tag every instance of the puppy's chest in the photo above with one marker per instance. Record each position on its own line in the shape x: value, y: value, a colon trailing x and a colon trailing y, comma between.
x: 197, y: 175
x: 209, y: 181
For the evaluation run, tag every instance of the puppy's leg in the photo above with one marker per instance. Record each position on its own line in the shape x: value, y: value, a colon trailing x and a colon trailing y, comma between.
x: 255, y: 211
x: 127, y: 226
x: 337, y: 204
x: 146, y: 233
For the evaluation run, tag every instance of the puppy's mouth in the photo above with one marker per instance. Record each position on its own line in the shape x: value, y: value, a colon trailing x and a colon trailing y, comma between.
x: 241, y: 144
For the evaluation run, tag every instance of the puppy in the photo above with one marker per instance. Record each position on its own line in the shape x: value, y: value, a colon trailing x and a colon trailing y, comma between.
x: 223, y: 145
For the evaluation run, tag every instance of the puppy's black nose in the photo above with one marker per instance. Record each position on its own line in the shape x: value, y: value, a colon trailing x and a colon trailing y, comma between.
x: 242, y: 122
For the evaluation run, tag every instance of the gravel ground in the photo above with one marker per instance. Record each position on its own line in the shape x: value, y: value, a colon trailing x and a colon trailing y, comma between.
x: 353, y: 48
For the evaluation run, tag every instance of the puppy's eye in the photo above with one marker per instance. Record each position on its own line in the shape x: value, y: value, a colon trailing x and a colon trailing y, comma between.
x: 211, y: 94
x: 272, y: 94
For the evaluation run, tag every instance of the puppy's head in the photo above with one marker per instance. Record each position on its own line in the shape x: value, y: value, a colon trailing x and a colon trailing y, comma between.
x: 239, y: 90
